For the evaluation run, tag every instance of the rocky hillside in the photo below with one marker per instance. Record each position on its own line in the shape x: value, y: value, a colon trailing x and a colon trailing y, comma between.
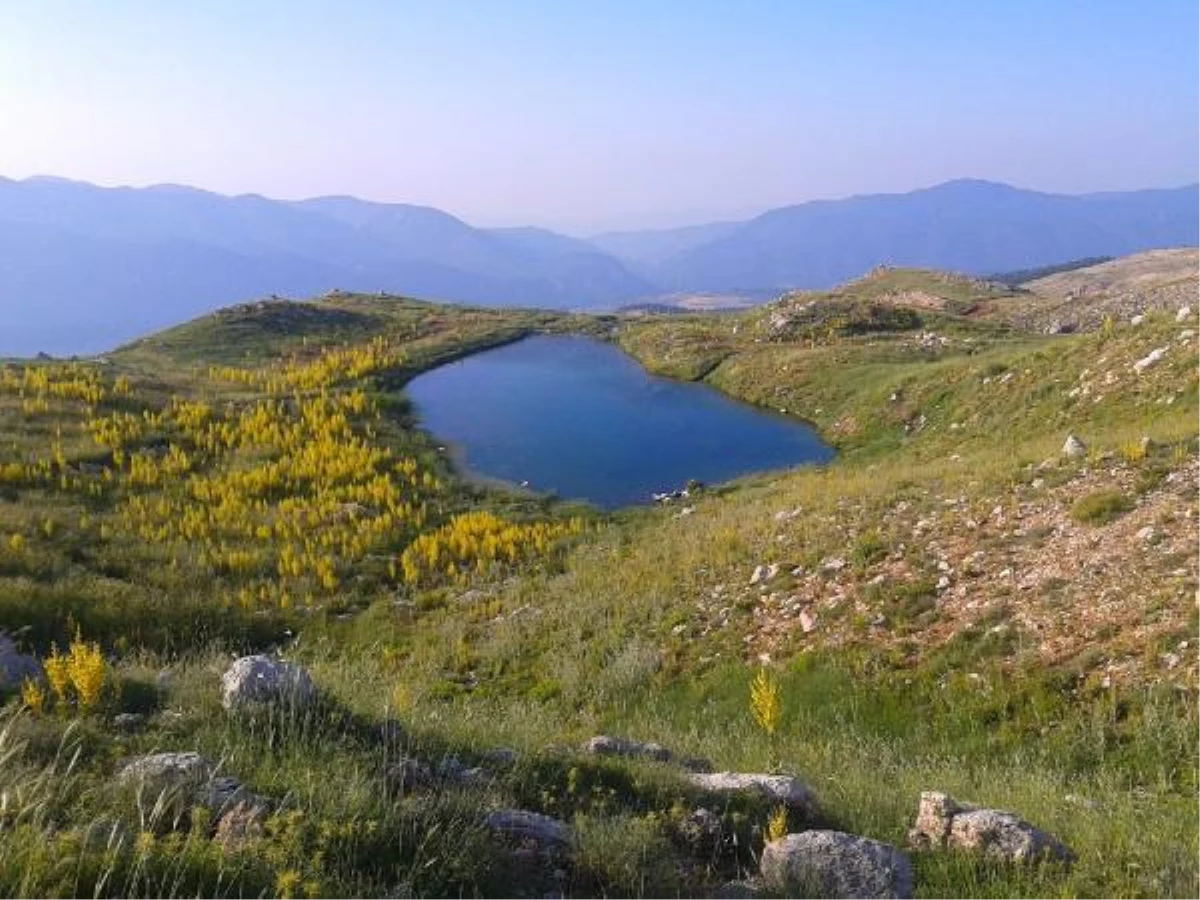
x: 1082, y: 299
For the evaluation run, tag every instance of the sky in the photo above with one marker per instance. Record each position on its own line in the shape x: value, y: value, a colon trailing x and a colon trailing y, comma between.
x: 591, y: 116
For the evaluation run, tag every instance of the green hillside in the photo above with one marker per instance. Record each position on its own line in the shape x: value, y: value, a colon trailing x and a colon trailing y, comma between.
x: 953, y: 604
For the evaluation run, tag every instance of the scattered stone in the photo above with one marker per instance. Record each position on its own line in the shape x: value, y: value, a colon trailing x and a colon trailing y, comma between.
x: 128, y: 721
x: 808, y: 621
x: 833, y: 564
x: 1147, y: 534
x: 943, y: 822
x: 785, y: 789
x: 183, y: 780
x: 259, y: 680
x: 529, y: 826
x: 408, y: 774
x: 1137, y: 320
x: 15, y: 666
x: 605, y: 745
x: 1150, y: 359
x: 454, y: 771
x: 702, y: 832
x: 835, y: 864
x: 168, y: 769
x: 242, y: 824
x: 1073, y: 446
x: 763, y: 574
x: 1184, y: 314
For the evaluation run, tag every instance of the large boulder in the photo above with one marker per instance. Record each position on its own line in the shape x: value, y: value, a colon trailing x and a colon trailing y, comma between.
x: 15, y: 666
x: 172, y: 784
x: 182, y: 780
x: 784, y: 789
x: 835, y: 864
x: 944, y: 822
x: 173, y: 770
x: 256, y: 681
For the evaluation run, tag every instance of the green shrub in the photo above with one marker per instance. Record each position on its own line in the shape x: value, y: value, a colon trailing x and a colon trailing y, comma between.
x: 1100, y: 508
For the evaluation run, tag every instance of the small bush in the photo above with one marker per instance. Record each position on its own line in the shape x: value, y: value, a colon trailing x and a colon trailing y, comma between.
x: 1100, y: 508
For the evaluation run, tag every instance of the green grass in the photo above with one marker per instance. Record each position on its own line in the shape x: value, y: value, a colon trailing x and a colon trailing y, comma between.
x: 638, y: 627
x: 1101, y: 507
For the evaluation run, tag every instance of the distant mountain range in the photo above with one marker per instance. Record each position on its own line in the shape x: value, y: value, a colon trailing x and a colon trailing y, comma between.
x: 83, y: 268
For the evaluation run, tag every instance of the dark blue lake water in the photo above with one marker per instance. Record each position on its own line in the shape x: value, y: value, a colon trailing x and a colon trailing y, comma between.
x: 579, y: 418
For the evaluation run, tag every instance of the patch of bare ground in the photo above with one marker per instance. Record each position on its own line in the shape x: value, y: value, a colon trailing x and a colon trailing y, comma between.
x: 1117, y: 601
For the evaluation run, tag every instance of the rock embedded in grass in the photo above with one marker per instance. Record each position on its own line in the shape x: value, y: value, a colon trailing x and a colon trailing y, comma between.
x: 184, y: 779
x: 835, y: 864
x: 1149, y: 359
x: 255, y: 681
x: 242, y: 824
x: 944, y: 822
x: 784, y: 789
x: 1073, y: 446
x: 606, y: 745
x: 524, y: 825
x: 408, y: 774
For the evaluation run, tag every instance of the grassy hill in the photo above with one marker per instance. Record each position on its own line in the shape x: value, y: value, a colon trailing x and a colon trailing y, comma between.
x: 953, y: 604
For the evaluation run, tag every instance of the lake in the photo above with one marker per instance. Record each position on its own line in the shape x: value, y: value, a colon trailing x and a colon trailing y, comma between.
x: 579, y: 418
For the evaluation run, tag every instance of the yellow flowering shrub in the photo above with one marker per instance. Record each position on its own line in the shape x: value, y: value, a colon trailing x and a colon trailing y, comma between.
x: 764, y: 701
x: 475, y: 543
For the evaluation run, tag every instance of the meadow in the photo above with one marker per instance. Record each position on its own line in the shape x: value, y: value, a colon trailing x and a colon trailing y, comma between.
x: 987, y: 621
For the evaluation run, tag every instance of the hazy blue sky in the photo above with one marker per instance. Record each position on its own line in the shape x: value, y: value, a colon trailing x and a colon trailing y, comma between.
x: 598, y: 115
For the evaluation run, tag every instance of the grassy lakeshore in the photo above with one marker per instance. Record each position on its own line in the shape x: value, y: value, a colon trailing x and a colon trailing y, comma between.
x: 954, y: 604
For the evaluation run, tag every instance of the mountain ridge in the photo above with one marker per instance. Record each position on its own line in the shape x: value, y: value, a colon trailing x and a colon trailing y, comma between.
x: 108, y: 263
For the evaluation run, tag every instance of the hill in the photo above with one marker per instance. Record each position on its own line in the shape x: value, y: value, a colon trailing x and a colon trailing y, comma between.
x: 1164, y: 280
x: 956, y: 603
x: 107, y: 264
x: 83, y: 268
x: 968, y: 226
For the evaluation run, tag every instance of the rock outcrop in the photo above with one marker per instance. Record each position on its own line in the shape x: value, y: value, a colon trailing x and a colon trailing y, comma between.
x: 183, y: 780
x: 944, y: 822
x: 835, y: 864
x: 784, y: 789
x: 258, y: 681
